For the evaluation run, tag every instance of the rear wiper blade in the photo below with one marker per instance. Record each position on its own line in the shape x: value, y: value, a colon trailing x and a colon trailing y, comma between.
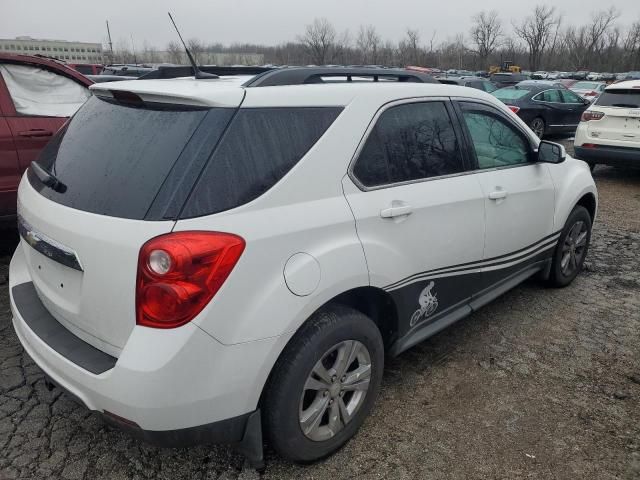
x: 48, y: 178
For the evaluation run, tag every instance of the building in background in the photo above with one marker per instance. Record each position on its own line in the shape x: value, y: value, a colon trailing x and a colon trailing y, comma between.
x: 71, y: 52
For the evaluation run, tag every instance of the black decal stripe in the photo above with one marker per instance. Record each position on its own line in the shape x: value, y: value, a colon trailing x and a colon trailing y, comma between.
x: 473, y: 267
x: 475, y: 262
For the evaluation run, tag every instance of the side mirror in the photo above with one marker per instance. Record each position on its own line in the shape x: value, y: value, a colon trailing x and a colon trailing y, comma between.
x: 549, y: 152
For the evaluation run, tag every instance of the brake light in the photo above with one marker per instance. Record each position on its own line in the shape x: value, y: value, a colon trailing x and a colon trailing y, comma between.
x: 589, y: 145
x: 179, y: 273
x: 513, y: 108
x: 591, y: 94
x: 589, y: 115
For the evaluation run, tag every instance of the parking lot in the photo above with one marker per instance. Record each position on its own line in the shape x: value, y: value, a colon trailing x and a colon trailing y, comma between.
x: 541, y: 383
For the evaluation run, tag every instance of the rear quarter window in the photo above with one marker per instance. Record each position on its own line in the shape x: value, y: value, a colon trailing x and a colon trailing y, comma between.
x: 260, y: 146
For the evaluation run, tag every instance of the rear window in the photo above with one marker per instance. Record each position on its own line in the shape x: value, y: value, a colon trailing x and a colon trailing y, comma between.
x: 619, y: 97
x: 260, y: 146
x: 510, y: 93
x: 113, y: 158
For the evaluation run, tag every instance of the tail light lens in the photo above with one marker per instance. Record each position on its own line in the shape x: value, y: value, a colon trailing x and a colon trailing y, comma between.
x: 513, y: 108
x: 591, y: 94
x: 588, y: 115
x: 179, y: 273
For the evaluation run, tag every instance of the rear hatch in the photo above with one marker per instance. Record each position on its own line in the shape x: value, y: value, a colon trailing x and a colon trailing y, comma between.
x: 621, y: 122
x: 124, y: 166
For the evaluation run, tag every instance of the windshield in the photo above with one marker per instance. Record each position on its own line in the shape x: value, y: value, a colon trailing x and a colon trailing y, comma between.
x: 113, y: 159
x: 510, y: 93
x: 620, y: 97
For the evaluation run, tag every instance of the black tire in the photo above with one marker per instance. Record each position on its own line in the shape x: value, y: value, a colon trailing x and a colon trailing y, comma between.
x: 559, y: 277
x: 539, y: 126
x: 283, y: 396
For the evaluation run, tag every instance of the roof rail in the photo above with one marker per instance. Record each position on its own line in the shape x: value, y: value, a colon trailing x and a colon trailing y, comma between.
x: 306, y: 75
x: 187, y: 71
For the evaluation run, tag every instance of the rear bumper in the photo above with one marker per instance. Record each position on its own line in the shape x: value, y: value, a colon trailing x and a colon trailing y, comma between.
x: 607, y: 155
x: 167, y: 386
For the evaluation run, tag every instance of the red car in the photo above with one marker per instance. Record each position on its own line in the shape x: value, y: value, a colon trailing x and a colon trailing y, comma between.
x: 37, y: 95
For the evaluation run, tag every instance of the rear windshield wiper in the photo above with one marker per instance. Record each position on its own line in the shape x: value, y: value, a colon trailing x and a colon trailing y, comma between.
x: 48, y: 178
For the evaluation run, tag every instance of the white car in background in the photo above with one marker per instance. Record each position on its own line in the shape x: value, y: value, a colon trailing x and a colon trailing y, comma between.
x: 588, y: 90
x: 204, y: 258
x: 609, y: 132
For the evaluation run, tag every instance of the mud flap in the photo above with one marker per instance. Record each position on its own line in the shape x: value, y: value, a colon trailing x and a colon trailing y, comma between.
x: 252, y: 446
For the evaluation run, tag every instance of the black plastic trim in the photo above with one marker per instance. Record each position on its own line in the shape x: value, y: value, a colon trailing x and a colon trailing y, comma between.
x: 54, y: 334
x: 230, y: 430
x: 307, y: 75
x: 608, y: 155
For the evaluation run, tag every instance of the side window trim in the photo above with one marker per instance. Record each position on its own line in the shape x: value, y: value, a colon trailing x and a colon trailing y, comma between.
x: 460, y: 103
x: 465, y: 154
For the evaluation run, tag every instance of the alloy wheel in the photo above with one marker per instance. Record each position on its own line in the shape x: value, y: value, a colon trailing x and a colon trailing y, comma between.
x: 573, y: 248
x: 537, y: 125
x: 335, y: 389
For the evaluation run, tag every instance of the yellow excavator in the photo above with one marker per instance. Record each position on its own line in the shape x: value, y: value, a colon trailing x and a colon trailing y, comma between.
x: 506, y: 67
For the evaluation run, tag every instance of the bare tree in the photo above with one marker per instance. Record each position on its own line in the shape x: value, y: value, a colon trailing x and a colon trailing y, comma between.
x: 319, y: 40
x: 631, y: 47
x: 368, y: 42
x: 538, y: 31
x: 587, y: 41
x: 149, y: 53
x: 409, y: 48
x: 486, y: 34
x: 196, y: 47
x: 175, y: 52
x: 122, y: 52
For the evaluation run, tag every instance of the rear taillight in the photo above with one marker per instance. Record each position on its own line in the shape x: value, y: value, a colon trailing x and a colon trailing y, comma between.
x: 589, y: 115
x: 591, y: 94
x: 179, y: 273
x: 513, y: 108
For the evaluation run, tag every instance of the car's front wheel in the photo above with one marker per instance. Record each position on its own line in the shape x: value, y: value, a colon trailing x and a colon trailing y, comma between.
x: 572, y: 248
x: 324, y: 384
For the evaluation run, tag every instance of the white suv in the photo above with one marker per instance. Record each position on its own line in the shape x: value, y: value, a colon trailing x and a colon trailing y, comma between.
x: 609, y: 132
x: 204, y: 259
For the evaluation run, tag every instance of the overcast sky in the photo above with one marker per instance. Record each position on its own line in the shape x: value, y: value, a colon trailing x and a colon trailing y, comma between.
x: 267, y: 21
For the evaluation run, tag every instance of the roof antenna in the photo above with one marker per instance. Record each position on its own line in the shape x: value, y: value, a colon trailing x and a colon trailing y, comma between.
x: 198, y: 74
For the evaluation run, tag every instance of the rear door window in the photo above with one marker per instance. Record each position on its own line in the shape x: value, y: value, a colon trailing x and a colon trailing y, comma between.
x: 569, y: 97
x: 260, y: 146
x: 409, y: 142
x: 551, y: 96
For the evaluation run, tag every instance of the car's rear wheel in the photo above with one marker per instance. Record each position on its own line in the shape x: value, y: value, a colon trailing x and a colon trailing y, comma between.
x: 572, y: 248
x: 538, y: 126
x: 324, y: 384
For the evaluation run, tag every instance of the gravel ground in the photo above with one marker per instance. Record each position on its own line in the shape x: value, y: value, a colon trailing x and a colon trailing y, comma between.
x: 540, y: 384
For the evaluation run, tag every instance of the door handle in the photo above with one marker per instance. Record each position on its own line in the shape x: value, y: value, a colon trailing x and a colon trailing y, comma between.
x: 398, y: 211
x: 498, y: 194
x: 36, y: 133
